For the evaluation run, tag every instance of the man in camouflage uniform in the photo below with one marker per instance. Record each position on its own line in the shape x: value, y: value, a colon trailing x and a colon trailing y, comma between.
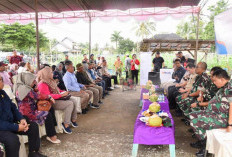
x: 202, y: 81
x: 217, y: 114
x: 205, y: 96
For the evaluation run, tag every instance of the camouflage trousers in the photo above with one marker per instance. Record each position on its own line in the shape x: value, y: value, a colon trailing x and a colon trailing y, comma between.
x: 201, y: 121
x: 185, y: 104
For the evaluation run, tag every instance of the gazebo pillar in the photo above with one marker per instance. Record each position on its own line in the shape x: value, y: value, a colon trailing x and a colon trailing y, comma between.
x: 197, y: 35
x: 90, y: 35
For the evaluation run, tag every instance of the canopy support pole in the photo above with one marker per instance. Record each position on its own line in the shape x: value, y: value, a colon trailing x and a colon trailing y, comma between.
x: 37, y: 35
x: 90, y: 35
x: 197, y: 35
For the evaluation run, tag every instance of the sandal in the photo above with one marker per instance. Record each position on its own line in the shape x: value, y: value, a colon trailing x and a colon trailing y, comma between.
x: 57, y: 141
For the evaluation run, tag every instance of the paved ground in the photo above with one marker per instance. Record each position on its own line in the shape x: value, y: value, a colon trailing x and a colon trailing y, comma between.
x: 108, y: 132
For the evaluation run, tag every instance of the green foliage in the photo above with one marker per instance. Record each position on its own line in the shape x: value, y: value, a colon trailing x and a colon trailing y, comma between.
x: 21, y: 37
x: 116, y: 37
x: 84, y: 47
x: 187, y: 30
x: 125, y: 45
x: 220, y: 7
x: 145, y: 29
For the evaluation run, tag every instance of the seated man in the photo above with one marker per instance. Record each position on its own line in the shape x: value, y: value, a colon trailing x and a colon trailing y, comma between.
x: 13, y: 123
x: 217, y: 115
x: 83, y: 78
x: 77, y: 89
x: 202, y: 81
x: 179, y: 71
x: 106, y: 74
x: 174, y: 91
x: 206, y: 94
x: 94, y: 79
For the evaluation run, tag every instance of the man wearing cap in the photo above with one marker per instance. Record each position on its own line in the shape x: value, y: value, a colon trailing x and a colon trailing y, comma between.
x: 158, y: 62
x: 15, y: 59
x: 83, y: 78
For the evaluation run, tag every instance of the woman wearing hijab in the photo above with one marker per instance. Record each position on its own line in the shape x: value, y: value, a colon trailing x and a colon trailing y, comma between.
x: 58, y: 74
x: 12, y: 123
x: 47, y: 85
x: 27, y: 98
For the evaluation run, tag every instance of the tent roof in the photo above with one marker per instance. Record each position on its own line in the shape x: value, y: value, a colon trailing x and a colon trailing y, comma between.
x: 27, y: 6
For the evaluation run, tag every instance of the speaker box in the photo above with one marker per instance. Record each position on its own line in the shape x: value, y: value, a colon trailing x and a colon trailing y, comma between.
x: 154, y: 77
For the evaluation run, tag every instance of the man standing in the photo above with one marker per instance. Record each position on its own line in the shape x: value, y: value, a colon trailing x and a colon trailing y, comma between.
x: 127, y: 65
x: 158, y: 62
x: 77, y: 89
x: 118, y: 67
x: 66, y: 59
x: 15, y: 59
x: 182, y: 58
x: 91, y: 59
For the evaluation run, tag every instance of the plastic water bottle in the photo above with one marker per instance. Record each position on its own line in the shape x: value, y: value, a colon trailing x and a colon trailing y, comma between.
x: 162, y: 98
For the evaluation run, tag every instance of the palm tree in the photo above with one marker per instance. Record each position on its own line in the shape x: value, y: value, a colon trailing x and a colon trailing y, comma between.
x: 115, y: 37
x: 144, y: 29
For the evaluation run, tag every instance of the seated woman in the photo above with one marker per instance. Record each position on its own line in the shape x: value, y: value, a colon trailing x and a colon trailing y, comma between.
x: 48, y: 86
x: 13, y: 71
x: 217, y: 115
x: 58, y: 74
x: 12, y: 123
x: 27, y: 97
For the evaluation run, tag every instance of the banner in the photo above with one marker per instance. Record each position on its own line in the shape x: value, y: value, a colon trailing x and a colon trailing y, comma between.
x: 145, y: 66
x: 166, y: 75
x: 223, y: 32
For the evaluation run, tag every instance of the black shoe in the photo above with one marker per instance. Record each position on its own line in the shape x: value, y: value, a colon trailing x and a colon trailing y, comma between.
x: 84, y: 111
x: 36, y: 154
x: 100, y: 102
x: 190, y: 130
x: 109, y: 89
x: 187, y: 123
x: 194, y: 135
x: 183, y: 119
x: 94, y: 106
x: 103, y: 97
x: 197, y: 144
x: 201, y: 152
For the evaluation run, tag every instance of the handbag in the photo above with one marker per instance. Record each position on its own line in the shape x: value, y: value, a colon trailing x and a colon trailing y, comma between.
x: 67, y: 97
x: 44, y: 105
x: 136, y: 67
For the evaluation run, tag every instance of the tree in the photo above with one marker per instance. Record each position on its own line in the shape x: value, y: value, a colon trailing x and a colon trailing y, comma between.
x: 22, y: 37
x: 84, y: 47
x: 187, y: 30
x: 145, y: 29
x: 220, y: 7
x: 115, y: 37
x: 126, y: 45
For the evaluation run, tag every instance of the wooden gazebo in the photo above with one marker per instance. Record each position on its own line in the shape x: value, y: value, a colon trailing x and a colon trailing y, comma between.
x: 173, y: 42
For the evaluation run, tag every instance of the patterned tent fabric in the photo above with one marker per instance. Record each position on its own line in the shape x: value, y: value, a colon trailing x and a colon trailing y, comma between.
x: 141, y: 14
x: 27, y: 6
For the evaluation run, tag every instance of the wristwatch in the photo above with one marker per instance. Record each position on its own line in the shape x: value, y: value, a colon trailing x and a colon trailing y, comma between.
x: 198, y: 105
x: 229, y: 124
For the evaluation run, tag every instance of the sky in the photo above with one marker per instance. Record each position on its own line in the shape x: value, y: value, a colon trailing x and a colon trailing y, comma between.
x: 101, y: 31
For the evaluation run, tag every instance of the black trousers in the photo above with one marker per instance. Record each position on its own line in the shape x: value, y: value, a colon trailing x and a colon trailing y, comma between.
x: 108, y: 81
x: 173, y: 92
x: 114, y: 77
x: 50, y: 126
x: 135, y: 75
x: 11, y: 140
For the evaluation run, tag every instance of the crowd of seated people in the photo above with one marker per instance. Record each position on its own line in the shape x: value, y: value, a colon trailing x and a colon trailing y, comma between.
x: 204, y: 100
x: 59, y: 85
